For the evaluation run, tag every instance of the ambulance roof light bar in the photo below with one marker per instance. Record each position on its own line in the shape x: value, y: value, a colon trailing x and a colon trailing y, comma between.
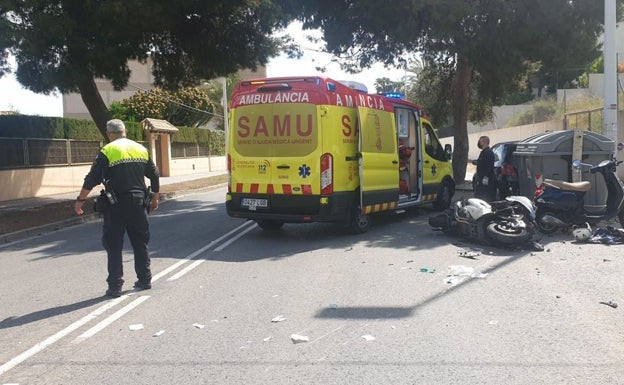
x: 394, y: 95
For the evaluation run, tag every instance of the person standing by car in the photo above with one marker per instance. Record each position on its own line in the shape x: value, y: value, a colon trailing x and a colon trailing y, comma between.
x: 486, y: 179
x: 121, y: 166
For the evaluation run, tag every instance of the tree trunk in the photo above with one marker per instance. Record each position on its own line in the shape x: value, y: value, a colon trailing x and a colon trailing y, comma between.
x: 94, y: 103
x: 461, y: 83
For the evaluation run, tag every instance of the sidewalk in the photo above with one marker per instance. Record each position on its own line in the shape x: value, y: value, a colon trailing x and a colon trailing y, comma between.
x: 21, y: 204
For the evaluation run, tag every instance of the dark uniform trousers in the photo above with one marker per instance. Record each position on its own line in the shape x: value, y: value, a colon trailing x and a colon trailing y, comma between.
x: 129, y: 214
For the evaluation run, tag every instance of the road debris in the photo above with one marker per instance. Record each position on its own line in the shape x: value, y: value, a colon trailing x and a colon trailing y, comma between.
x: 279, y: 318
x: 269, y: 338
x: 368, y: 337
x: 296, y: 338
x: 427, y: 270
x: 136, y: 327
x: 468, y: 254
x: 198, y: 326
x: 159, y: 333
x: 610, y: 303
x: 457, y: 272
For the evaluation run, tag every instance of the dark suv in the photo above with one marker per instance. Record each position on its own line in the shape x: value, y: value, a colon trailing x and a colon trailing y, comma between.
x: 504, y: 169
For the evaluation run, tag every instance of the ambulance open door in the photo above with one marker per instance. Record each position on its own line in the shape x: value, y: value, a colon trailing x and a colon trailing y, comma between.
x: 379, y: 160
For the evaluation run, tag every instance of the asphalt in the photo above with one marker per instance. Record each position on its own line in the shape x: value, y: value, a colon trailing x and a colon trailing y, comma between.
x: 6, y: 207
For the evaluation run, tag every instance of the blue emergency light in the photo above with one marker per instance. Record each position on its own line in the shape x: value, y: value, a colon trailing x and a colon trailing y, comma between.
x: 394, y: 95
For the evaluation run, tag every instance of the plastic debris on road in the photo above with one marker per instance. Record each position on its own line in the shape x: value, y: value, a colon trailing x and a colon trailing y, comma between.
x: 136, y: 327
x: 368, y: 337
x: 279, y: 318
x: 468, y: 254
x: 158, y: 333
x: 296, y: 338
x: 457, y: 272
x: 267, y: 339
x: 198, y: 326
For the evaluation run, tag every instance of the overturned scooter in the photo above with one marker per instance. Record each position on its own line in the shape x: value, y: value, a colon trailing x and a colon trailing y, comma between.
x: 560, y: 205
x: 508, y: 222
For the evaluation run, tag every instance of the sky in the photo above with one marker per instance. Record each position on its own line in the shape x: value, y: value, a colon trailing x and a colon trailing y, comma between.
x: 13, y: 97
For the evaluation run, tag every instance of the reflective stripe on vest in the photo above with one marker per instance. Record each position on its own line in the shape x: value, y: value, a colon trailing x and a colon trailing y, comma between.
x: 124, y: 151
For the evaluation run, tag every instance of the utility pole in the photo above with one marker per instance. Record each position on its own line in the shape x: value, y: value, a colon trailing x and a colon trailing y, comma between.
x: 610, y: 128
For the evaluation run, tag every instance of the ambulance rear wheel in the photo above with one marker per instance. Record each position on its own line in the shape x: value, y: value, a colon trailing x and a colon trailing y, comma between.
x: 359, y: 223
x: 269, y: 225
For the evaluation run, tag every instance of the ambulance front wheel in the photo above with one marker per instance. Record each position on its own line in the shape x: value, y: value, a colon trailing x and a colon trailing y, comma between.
x: 443, y: 200
x: 359, y: 223
x: 269, y: 225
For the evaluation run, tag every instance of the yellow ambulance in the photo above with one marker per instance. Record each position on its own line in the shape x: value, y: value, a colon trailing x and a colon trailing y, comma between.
x: 312, y: 149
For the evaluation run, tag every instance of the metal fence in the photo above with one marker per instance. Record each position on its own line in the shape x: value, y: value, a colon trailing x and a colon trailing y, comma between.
x: 586, y: 120
x: 189, y: 150
x: 28, y: 152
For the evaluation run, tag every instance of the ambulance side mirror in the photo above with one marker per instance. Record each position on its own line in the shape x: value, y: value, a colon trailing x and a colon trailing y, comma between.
x: 448, y: 151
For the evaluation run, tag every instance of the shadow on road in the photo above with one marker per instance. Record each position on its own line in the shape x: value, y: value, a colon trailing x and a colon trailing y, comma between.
x: 48, y: 313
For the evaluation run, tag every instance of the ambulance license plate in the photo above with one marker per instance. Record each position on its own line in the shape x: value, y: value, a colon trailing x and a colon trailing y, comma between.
x: 252, y: 203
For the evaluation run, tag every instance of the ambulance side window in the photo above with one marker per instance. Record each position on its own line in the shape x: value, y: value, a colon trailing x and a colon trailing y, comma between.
x: 432, y: 145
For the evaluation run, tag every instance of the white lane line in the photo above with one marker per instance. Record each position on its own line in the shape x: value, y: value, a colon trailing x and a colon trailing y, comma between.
x: 226, y: 244
x: 197, y: 252
x: 186, y: 270
x: 110, y: 319
x: 52, y: 339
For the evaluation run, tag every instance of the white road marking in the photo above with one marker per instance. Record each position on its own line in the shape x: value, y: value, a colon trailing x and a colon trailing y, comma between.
x: 52, y: 339
x: 89, y: 333
x: 110, y: 319
x: 226, y: 244
x: 186, y: 270
x: 197, y: 252
x: 223, y: 246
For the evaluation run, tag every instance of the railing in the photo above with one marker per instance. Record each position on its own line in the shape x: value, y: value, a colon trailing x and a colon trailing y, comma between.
x: 587, y: 120
x: 188, y: 150
x: 28, y: 152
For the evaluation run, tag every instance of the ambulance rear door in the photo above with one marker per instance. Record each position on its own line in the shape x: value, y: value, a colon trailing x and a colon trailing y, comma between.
x: 275, y: 148
x: 378, y: 161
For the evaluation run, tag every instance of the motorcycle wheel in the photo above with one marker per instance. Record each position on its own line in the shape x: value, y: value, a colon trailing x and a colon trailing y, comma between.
x: 506, y: 235
x: 543, y: 227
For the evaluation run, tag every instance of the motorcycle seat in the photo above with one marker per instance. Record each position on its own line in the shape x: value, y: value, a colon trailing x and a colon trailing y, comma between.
x: 570, y: 186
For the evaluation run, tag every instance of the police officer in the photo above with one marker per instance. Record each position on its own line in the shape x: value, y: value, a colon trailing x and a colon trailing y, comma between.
x: 486, y: 179
x: 121, y: 166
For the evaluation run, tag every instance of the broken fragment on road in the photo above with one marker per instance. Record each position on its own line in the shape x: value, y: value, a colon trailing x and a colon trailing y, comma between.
x: 296, y: 338
x: 610, y: 304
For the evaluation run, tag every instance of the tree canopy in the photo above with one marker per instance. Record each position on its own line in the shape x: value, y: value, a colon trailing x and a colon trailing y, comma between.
x: 65, y: 44
x: 479, y: 49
